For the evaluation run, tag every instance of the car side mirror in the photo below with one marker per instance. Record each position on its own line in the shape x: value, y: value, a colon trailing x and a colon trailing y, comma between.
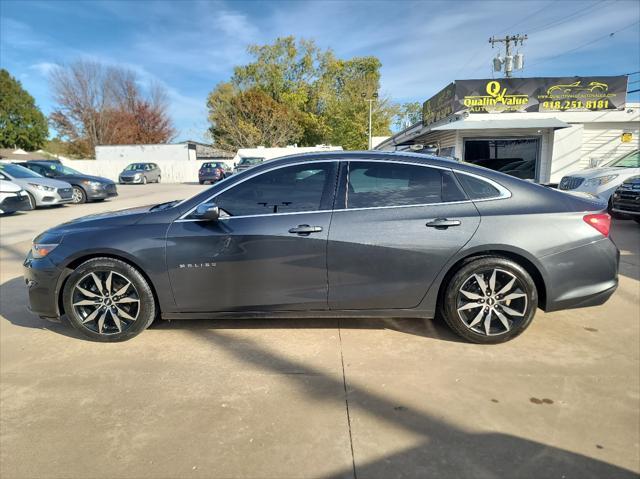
x: 207, y: 212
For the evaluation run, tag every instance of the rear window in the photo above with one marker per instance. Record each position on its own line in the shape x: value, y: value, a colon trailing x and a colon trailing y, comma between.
x: 476, y: 188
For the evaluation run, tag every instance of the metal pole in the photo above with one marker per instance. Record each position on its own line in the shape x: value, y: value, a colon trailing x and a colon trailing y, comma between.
x: 507, y: 71
x: 370, y: 104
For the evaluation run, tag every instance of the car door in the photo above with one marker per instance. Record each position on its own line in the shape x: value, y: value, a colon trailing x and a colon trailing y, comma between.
x: 268, y: 249
x: 398, y: 225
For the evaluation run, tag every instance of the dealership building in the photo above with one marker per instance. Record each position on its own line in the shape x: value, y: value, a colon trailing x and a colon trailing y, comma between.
x: 533, y: 128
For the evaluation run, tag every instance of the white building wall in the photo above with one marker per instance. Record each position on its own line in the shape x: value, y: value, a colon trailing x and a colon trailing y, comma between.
x: 175, y: 171
x: 272, y: 153
x: 145, y: 153
x: 602, y: 142
x: 567, y: 151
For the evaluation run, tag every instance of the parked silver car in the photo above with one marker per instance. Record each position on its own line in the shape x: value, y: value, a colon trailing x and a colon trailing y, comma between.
x: 140, y: 173
x: 42, y: 191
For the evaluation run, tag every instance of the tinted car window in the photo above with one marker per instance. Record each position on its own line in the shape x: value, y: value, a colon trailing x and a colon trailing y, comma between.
x: 476, y: 188
x: 375, y: 184
x: 284, y: 190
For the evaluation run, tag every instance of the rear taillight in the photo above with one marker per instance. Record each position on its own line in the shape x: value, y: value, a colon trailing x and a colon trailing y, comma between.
x: 601, y: 222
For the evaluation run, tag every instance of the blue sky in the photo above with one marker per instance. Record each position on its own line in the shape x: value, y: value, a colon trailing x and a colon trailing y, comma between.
x: 189, y: 46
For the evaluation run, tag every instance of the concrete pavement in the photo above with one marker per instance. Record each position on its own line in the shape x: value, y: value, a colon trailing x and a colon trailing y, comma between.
x: 316, y: 398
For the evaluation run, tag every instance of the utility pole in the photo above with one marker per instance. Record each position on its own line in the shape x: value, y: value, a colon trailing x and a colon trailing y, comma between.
x: 509, y: 61
x: 373, y: 98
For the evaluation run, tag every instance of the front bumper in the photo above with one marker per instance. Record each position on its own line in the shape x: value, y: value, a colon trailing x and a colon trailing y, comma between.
x: 102, y: 192
x: 60, y: 196
x: 15, y: 203
x: 581, y: 277
x: 43, y: 280
x: 129, y: 180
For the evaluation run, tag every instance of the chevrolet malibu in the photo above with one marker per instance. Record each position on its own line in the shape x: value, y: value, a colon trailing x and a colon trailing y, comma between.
x: 358, y: 234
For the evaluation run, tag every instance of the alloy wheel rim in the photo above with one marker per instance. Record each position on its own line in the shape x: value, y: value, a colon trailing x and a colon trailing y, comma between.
x: 76, y: 195
x: 106, y: 302
x: 492, y: 302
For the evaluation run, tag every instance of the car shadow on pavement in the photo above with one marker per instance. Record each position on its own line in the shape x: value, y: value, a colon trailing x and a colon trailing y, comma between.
x: 443, y: 449
x: 17, y: 313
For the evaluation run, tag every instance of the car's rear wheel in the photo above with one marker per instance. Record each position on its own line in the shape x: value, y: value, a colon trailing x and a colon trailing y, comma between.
x: 78, y: 196
x: 159, y: 178
x: 108, y: 300
x: 489, y: 300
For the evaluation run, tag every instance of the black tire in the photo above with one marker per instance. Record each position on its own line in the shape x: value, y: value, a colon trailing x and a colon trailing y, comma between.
x: 136, y: 301
x: 159, y: 178
x: 201, y: 182
x: 79, y: 196
x: 144, y: 180
x: 32, y: 201
x: 471, y: 322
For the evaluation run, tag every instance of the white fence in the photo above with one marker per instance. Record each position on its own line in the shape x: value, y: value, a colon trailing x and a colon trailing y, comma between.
x: 177, y: 171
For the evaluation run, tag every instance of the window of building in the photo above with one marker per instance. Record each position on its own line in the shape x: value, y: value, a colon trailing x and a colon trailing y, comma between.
x: 515, y: 156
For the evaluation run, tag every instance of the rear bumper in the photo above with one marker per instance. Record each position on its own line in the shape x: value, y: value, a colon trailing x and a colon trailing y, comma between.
x: 581, y: 277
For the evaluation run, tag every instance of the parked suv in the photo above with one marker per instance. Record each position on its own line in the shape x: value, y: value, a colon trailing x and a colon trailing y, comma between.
x: 142, y: 173
x: 212, y: 172
x: 626, y: 198
x: 602, y: 181
x: 42, y: 191
x: 85, y: 187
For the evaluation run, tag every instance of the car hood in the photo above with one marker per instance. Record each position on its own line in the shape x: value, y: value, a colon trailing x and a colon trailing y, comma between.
x: 9, y: 187
x: 595, y: 172
x: 42, y: 181
x: 99, y: 179
x: 99, y: 220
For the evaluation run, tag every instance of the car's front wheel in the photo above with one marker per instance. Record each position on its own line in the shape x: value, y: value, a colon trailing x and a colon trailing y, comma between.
x: 489, y: 300
x: 108, y: 300
x: 78, y: 195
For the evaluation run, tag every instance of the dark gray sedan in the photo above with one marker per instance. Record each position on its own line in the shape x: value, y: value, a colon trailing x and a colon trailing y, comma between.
x: 340, y: 234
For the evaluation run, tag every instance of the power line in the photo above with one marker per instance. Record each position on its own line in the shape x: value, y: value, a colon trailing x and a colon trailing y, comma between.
x: 479, y: 50
x: 608, y: 35
x: 570, y: 17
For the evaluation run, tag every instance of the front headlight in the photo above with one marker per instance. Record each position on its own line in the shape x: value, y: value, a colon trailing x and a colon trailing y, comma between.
x: 92, y: 184
x: 42, y: 187
x: 40, y: 250
x: 600, y: 180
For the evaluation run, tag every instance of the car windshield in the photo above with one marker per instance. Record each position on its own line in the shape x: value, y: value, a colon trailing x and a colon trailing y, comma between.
x: 135, y: 166
x: 632, y: 160
x: 17, y: 171
x: 250, y: 161
x: 65, y: 170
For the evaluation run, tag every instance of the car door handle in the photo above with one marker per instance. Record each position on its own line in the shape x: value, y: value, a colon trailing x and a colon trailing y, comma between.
x: 305, y: 230
x: 443, y: 223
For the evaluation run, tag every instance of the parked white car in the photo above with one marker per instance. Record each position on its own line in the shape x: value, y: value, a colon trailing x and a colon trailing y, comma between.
x: 13, y: 198
x: 602, y: 181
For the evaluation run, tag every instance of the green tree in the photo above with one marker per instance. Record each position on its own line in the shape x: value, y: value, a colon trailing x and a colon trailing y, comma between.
x: 250, y: 118
x: 22, y: 124
x: 408, y: 114
x: 323, y: 94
